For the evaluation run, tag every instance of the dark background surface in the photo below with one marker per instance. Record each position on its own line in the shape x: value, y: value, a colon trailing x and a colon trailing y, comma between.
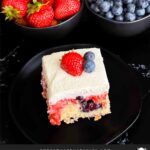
x: 16, y: 50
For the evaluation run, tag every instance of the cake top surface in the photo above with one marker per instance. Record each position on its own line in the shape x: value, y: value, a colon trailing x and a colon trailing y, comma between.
x: 61, y: 85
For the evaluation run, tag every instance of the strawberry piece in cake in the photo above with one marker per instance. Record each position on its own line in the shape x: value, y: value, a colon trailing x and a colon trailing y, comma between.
x: 75, y: 85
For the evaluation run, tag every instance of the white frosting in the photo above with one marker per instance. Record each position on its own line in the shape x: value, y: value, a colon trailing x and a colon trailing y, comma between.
x: 61, y: 85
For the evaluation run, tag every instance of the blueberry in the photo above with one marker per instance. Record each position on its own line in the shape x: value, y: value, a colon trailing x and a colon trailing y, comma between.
x: 131, y: 8
x: 119, y: 18
x: 127, y: 1
x: 109, y: 15
x: 130, y: 16
x: 143, y: 67
x: 91, y: 105
x: 105, y: 6
x: 89, y: 66
x: 140, y: 12
x: 142, y: 3
x: 89, y: 55
x: 95, y: 8
x: 98, y: 106
x: 118, y: 2
x: 148, y: 9
x: 92, y: 6
x: 79, y: 97
x: 84, y: 105
x: 98, y: 2
x: 117, y: 10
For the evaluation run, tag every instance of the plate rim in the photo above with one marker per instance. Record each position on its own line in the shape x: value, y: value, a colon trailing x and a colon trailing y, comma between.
x: 79, y: 45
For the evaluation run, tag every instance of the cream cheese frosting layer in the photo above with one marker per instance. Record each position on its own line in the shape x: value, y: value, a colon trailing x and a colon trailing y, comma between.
x: 61, y: 85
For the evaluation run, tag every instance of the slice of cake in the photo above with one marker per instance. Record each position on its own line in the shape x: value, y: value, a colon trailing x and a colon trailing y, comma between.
x: 75, y: 85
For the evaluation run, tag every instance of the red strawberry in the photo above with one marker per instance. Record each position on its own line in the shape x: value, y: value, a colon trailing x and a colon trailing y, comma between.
x: 40, y: 16
x: 14, y: 8
x: 66, y: 8
x: 72, y: 63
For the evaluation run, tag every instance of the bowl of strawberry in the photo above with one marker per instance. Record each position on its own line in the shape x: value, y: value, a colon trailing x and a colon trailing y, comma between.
x: 52, y: 19
x: 121, y: 17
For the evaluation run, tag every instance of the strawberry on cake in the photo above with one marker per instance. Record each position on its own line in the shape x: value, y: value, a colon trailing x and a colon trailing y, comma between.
x: 75, y: 85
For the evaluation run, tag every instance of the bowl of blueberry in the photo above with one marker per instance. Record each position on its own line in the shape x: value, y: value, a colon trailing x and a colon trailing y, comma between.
x: 121, y: 17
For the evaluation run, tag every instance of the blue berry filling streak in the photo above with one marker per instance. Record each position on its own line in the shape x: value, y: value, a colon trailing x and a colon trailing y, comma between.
x: 87, y: 106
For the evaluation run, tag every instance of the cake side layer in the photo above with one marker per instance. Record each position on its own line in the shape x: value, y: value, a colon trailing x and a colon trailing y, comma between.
x: 70, y: 111
x: 61, y: 85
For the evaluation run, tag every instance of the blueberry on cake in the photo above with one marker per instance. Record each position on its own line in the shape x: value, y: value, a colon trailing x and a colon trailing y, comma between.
x: 75, y: 85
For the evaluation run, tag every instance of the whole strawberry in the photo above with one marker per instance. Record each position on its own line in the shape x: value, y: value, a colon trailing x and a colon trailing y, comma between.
x: 40, y: 15
x: 64, y: 9
x: 14, y: 8
x: 72, y: 63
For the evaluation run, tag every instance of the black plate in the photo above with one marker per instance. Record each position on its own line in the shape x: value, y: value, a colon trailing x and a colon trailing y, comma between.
x: 28, y: 108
